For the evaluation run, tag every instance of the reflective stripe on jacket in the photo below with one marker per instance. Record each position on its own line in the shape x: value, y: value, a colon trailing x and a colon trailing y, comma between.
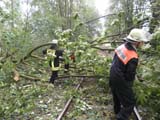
x: 53, y: 67
x: 124, y: 54
x: 51, y: 53
x: 51, y: 57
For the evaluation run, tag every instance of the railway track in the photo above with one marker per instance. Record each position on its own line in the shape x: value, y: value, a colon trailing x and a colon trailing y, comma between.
x: 87, y: 103
x: 67, y: 105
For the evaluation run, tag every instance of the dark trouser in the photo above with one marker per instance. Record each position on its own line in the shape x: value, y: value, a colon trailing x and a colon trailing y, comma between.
x: 124, y: 101
x: 53, y: 76
x: 66, y: 67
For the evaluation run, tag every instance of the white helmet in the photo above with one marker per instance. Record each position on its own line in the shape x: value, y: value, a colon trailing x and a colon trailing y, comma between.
x: 139, y: 35
x: 54, y: 41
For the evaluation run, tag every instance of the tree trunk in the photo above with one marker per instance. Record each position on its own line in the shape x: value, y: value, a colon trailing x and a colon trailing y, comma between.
x: 61, y: 13
x: 70, y: 14
x: 27, y: 17
x: 155, y: 21
x: 12, y: 8
x: 129, y: 13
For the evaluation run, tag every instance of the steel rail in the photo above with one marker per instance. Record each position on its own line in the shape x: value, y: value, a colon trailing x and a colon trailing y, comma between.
x: 136, y: 113
x: 67, y: 105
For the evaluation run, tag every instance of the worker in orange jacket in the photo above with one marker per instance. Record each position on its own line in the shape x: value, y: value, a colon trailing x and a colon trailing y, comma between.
x: 123, y: 71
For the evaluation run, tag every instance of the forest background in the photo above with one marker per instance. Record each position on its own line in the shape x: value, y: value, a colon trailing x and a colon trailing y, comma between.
x: 77, y: 24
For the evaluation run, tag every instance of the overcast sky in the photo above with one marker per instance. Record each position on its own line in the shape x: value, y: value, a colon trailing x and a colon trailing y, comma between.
x: 103, y: 8
x: 102, y: 5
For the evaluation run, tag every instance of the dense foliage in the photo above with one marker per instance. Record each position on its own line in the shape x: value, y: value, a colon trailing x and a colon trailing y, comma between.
x: 66, y: 20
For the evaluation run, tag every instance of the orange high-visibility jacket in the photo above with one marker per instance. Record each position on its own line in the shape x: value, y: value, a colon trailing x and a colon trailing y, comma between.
x: 124, y: 54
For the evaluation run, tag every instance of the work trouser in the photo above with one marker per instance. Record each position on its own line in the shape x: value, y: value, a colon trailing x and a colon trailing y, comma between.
x: 53, y: 76
x: 66, y: 67
x: 124, y: 100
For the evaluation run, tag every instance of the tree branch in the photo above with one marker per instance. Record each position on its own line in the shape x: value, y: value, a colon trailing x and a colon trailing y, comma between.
x: 30, y: 77
x: 60, y: 77
x: 38, y: 57
x: 103, y: 49
x: 88, y: 76
x: 29, y: 54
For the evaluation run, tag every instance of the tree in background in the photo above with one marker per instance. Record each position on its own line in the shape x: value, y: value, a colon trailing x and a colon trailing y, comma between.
x: 129, y: 14
x: 52, y: 15
x: 155, y: 21
x: 38, y: 24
